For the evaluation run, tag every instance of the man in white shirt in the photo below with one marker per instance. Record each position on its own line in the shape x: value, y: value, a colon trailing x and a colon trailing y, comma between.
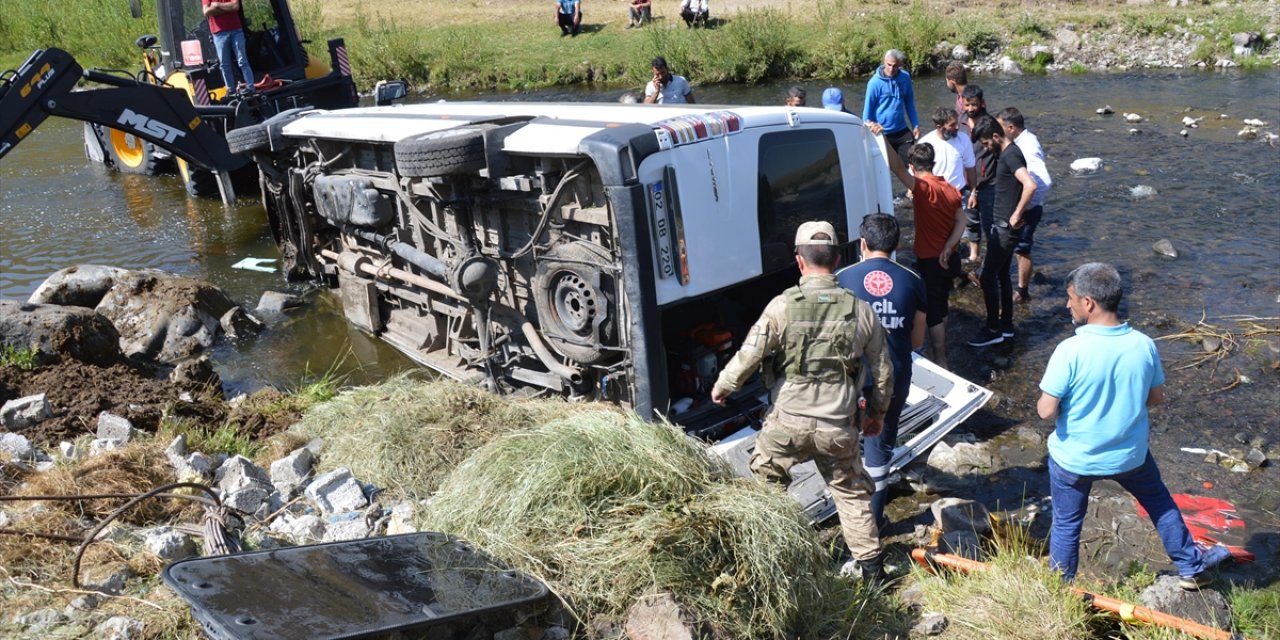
x: 1014, y: 126
x: 695, y: 12
x: 666, y: 87
x: 952, y: 153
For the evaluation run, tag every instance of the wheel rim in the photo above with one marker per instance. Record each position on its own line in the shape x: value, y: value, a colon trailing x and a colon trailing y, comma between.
x: 127, y: 148
x: 575, y: 303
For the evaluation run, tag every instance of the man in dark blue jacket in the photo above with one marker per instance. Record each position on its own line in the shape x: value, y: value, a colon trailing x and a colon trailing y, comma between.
x: 890, y: 107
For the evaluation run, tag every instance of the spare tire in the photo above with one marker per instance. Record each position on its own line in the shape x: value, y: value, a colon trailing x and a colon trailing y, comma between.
x: 442, y: 153
x: 248, y: 139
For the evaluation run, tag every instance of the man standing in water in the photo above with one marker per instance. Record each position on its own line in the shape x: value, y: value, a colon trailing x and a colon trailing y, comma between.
x: 820, y: 333
x: 1098, y: 387
x: 1015, y: 129
x: 1014, y: 190
x: 890, y: 106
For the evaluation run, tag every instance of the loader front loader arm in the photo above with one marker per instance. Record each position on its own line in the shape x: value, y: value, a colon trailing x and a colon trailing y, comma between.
x: 44, y: 86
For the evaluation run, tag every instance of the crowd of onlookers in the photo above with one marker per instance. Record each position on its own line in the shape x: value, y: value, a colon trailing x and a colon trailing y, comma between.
x: 695, y: 13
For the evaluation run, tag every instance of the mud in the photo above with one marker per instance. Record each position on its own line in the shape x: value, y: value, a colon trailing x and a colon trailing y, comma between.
x: 78, y: 392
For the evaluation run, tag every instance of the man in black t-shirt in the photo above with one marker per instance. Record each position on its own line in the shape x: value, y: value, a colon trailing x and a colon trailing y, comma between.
x: 1014, y: 187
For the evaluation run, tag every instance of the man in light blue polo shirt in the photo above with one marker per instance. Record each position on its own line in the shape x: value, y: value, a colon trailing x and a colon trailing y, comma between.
x: 1098, y: 385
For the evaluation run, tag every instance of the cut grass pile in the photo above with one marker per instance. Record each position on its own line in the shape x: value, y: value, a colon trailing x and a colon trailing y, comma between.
x: 606, y: 509
x: 406, y: 434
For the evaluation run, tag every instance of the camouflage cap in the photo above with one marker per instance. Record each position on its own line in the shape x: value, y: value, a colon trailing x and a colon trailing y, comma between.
x: 805, y: 234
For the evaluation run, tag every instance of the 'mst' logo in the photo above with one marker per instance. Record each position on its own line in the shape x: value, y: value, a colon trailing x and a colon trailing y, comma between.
x: 148, y: 126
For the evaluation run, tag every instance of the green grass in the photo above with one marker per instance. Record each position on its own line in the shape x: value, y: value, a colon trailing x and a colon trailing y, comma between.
x: 21, y: 358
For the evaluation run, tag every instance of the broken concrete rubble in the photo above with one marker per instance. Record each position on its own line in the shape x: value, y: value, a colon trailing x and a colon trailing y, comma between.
x: 336, y: 491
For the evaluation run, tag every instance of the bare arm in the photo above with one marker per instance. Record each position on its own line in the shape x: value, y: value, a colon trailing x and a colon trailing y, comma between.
x: 971, y: 179
x: 895, y: 165
x: 917, y: 330
x: 219, y: 8
x: 1028, y: 190
x: 953, y: 241
x: 1047, y: 406
x: 1155, y: 396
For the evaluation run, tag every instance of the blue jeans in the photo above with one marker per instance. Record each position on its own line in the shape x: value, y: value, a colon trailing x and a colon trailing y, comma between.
x: 1070, y: 493
x: 232, y: 53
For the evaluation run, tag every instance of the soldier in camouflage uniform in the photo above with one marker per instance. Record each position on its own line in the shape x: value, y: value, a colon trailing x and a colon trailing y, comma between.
x: 819, y: 333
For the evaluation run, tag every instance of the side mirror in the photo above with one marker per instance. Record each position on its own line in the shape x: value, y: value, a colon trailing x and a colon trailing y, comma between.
x: 388, y: 91
x: 145, y: 42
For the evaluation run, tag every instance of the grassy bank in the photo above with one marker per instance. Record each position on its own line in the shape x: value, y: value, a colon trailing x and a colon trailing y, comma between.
x: 504, y: 44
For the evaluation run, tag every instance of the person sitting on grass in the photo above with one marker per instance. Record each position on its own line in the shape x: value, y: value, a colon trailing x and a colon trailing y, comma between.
x: 639, y: 11
x: 694, y: 12
x: 569, y: 16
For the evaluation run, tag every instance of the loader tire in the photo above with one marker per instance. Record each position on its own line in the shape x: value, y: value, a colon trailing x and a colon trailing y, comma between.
x: 442, y: 153
x: 131, y: 154
x: 248, y: 139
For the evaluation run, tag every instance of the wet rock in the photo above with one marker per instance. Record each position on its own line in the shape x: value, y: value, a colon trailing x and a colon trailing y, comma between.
x: 1086, y: 165
x: 930, y: 624
x: 1133, y: 117
x: 194, y: 373
x: 114, y: 427
x: 291, y: 472
x: 1210, y: 343
x: 1105, y: 111
x: 960, y: 514
x: 961, y: 53
x: 1245, y: 43
x: 1009, y: 65
x: 237, y: 323
x: 1184, y: 133
x: 1165, y: 247
x: 21, y: 413
x: 168, y: 544
x: 1255, y: 458
x: 119, y: 628
x: 656, y: 616
x: 1253, y: 122
x: 1142, y: 191
x: 1205, y: 606
x: 336, y: 491
x: 164, y: 317
x: 55, y: 332
x: 961, y: 543
x: 1247, y: 133
x: 80, y: 286
x: 276, y: 302
x: 958, y: 460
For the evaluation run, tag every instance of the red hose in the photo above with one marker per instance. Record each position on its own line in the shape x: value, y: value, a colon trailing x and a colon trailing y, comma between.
x: 1127, y: 611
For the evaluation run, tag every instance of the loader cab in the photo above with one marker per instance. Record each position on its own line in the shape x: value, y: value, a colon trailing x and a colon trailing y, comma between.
x: 274, y: 46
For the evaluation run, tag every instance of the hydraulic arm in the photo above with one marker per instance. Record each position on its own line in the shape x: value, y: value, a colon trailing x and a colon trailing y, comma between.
x: 44, y: 86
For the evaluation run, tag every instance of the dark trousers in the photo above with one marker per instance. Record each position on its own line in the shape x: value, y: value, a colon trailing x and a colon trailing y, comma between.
x: 692, y: 17
x: 997, y: 286
x: 568, y: 25
x: 900, y: 141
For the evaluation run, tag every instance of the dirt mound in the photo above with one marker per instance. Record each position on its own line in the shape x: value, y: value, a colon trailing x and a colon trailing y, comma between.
x: 78, y: 392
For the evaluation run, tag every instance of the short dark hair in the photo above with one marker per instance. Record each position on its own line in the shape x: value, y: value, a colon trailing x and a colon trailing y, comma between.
x: 986, y: 127
x: 1011, y: 115
x: 825, y: 256
x: 1099, y: 281
x: 971, y: 92
x: 880, y: 231
x: 957, y: 73
x: 921, y: 157
x: 659, y: 63
x: 797, y: 91
x: 943, y: 115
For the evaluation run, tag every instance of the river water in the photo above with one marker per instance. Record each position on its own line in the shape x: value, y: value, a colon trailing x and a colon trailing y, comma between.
x: 1216, y: 197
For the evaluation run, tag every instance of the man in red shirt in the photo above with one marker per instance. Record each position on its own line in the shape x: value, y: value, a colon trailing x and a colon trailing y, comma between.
x: 940, y: 223
x: 228, y: 41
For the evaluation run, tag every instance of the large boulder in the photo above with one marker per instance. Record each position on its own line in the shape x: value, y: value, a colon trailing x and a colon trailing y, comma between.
x: 162, y: 316
x: 55, y: 332
x: 80, y: 286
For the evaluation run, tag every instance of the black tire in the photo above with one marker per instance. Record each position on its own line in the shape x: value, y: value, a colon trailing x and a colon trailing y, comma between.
x: 249, y: 139
x: 442, y: 153
x: 200, y: 182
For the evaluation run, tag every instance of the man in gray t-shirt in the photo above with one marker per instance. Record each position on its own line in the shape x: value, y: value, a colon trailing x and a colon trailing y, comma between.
x: 666, y: 87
